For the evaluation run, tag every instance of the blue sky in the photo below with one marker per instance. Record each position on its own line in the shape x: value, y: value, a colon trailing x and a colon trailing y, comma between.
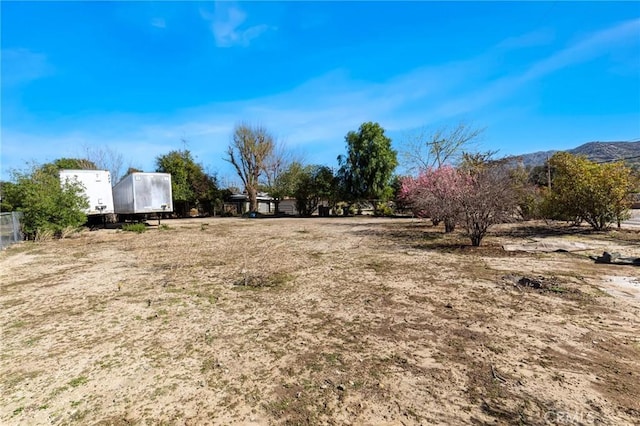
x: 138, y: 77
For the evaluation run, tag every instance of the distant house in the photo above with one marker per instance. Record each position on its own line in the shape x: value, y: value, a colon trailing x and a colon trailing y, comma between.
x: 239, y: 204
x: 288, y: 206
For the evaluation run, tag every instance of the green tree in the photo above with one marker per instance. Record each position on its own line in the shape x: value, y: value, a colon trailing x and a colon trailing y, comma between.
x: 314, y: 184
x: 74, y: 164
x: 47, y: 206
x: 539, y: 176
x: 285, y: 184
x: 583, y: 190
x: 132, y: 170
x: 366, y: 171
x: 250, y: 148
x: 7, y: 197
x: 309, y: 185
x: 191, y: 187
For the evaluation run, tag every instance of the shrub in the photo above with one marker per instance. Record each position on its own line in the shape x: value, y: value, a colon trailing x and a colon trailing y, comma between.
x: 384, y: 209
x: 48, y: 207
x: 476, y: 195
x: 135, y: 227
x: 489, y: 198
x: 581, y: 190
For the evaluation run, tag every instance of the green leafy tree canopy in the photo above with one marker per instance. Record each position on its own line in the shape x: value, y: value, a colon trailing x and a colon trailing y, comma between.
x: 583, y: 190
x: 190, y: 185
x: 367, y: 169
x: 47, y: 206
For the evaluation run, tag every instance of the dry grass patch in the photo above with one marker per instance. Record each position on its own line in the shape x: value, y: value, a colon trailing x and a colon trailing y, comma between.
x: 314, y: 321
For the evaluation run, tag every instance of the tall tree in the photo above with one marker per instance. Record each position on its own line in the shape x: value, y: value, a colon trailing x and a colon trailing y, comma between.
x: 249, y: 151
x: 367, y: 169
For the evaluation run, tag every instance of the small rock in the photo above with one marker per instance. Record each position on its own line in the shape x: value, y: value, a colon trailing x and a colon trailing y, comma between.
x: 340, y: 387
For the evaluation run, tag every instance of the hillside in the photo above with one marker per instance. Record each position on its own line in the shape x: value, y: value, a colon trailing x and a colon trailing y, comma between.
x: 594, y: 151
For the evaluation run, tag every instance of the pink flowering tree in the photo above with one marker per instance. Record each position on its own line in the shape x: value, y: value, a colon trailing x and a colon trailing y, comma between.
x: 436, y: 193
x: 475, y: 196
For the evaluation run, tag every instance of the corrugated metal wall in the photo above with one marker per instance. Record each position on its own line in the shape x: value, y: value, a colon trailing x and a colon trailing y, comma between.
x: 10, y: 230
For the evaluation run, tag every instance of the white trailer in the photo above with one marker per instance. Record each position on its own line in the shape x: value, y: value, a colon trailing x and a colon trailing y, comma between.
x: 143, y: 193
x: 97, y: 189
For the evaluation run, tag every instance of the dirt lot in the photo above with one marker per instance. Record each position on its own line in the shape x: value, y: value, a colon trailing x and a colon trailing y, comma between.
x: 319, y: 321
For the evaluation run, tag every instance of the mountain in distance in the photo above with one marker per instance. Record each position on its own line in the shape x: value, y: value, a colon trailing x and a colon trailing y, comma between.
x: 599, y: 152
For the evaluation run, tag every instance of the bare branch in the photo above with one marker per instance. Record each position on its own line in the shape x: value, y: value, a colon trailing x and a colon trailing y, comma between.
x: 249, y: 150
x: 106, y: 158
x: 427, y: 149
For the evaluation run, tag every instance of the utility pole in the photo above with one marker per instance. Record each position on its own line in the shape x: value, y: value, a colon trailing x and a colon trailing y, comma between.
x: 548, y: 173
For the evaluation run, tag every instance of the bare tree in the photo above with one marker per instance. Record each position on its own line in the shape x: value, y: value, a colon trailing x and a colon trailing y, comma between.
x: 249, y: 151
x: 275, y: 165
x: 490, y: 197
x: 106, y: 158
x: 276, y: 162
x: 430, y: 149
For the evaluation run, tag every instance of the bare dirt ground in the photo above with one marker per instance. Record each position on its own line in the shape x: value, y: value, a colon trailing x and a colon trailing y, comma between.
x: 319, y: 321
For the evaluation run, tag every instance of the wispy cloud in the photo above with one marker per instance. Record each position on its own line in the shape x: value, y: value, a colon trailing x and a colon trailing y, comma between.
x: 532, y: 39
x: 158, y: 23
x: 316, y: 115
x: 20, y: 66
x: 594, y: 45
x: 590, y: 47
x: 227, y: 26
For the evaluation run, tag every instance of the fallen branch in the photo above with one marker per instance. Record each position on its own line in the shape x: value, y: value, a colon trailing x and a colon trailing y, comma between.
x: 496, y: 376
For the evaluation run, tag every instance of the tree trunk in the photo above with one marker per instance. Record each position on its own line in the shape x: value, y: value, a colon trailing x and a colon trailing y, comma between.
x: 449, y: 225
x: 253, y: 199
